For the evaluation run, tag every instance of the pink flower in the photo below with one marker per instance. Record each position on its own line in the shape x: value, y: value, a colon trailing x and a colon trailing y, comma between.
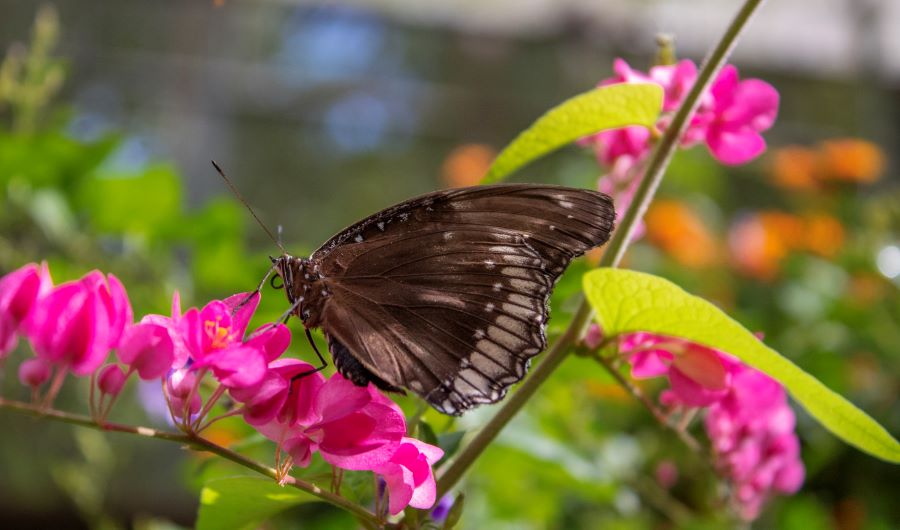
x: 184, y: 400
x: 114, y: 300
x: 77, y: 323
x: 18, y: 292
x: 34, y: 372
x: 740, y: 111
x: 729, y: 118
x: 148, y: 349
x: 266, y: 401
x: 214, y: 339
x: 409, y: 477
x: 352, y: 427
x: 174, y: 326
x: 752, y: 431
x: 675, y: 80
x: 699, y: 376
x: 111, y: 380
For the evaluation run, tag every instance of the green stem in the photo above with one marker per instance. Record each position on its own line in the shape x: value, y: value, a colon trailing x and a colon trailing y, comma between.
x: 195, y: 442
x: 615, y: 250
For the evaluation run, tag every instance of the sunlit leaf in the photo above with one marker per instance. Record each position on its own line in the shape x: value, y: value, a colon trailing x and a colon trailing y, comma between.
x: 607, y: 107
x: 628, y: 301
x: 238, y: 503
x: 135, y: 203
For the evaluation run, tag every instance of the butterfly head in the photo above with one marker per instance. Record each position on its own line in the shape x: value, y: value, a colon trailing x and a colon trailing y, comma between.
x: 297, y: 277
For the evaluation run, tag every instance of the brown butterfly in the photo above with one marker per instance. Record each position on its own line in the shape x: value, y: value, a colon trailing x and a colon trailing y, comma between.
x: 446, y: 294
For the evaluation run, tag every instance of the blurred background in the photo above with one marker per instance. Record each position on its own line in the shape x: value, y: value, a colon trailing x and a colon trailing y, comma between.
x: 322, y: 113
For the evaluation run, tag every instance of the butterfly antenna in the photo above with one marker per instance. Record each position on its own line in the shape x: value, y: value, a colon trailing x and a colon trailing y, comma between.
x: 240, y: 197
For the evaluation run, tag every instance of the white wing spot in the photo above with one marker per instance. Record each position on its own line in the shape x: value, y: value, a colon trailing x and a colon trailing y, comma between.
x: 358, y: 238
x: 498, y: 287
x: 566, y: 204
x: 570, y: 217
x: 552, y: 227
x: 416, y: 386
x: 479, y: 334
x: 489, y: 264
x: 381, y: 226
x: 448, y: 236
x: 489, y: 307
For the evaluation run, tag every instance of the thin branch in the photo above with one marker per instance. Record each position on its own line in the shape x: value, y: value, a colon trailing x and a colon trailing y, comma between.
x: 615, y: 250
x: 660, y: 416
x: 195, y: 442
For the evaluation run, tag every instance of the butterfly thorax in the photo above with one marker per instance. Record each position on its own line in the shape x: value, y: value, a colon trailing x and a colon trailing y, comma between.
x: 304, y: 288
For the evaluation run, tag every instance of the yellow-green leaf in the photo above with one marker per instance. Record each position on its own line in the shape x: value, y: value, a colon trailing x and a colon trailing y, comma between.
x: 607, y: 107
x: 237, y: 503
x: 628, y: 301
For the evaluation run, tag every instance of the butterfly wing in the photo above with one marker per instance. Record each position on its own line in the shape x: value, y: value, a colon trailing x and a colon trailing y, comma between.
x: 446, y: 294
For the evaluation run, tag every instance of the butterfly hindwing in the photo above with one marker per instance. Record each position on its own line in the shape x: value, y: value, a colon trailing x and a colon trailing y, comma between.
x: 447, y: 294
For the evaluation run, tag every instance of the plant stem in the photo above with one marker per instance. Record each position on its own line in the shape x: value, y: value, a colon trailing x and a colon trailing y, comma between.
x: 615, y: 250
x: 195, y: 442
x: 635, y: 392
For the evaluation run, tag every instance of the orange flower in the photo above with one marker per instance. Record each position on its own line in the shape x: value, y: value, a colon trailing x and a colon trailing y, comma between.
x: 466, y: 164
x: 823, y: 235
x: 794, y: 167
x: 842, y: 160
x: 759, y: 242
x: 851, y: 160
x: 756, y: 247
x: 676, y: 229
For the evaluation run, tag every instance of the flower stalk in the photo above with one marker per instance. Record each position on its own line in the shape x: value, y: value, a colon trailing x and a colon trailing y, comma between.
x: 194, y: 442
x: 613, y: 254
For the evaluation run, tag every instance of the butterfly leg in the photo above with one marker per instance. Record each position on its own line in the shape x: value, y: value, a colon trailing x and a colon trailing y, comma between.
x: 319, y: 355
x: 258, y: 289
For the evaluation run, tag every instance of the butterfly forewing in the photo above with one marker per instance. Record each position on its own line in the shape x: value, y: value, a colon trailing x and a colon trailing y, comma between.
x: 446, y: 294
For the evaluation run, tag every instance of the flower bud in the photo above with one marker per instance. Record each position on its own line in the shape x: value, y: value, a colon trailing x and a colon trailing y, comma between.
x: 111, y: 380
x: 34, y: 372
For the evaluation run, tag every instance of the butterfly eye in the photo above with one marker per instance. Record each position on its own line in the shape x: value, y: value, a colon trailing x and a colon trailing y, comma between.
x: 280, y: 285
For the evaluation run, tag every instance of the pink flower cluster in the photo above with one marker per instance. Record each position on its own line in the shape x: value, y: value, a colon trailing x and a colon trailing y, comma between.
x: 747, y: 419
x: 74, y: 326
x: 729, y: 120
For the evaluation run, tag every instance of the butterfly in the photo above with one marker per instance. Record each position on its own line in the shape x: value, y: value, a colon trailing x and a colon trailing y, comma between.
x: 446, y: 294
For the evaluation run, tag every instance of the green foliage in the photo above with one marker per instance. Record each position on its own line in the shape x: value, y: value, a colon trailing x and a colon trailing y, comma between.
x: 629, y: 301
x: 238, y: 503
x: 145, y: 203
x: 607, y: 107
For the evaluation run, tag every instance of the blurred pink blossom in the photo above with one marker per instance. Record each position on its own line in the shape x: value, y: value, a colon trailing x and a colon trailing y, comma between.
x: 76, y: 324
x: 740, y: 111
x: 408, y: 475
x: 748, y: 419
x: 34, y: 372
x: 18, y: 292
x: 752, y: 431
x: 729, y: 118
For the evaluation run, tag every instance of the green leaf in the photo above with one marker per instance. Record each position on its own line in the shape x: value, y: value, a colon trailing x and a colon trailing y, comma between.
x: 450, y: 442
x: 628, y: 301
x: 237, y: 503
x: 135, y: 203
x: 607, y: 107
